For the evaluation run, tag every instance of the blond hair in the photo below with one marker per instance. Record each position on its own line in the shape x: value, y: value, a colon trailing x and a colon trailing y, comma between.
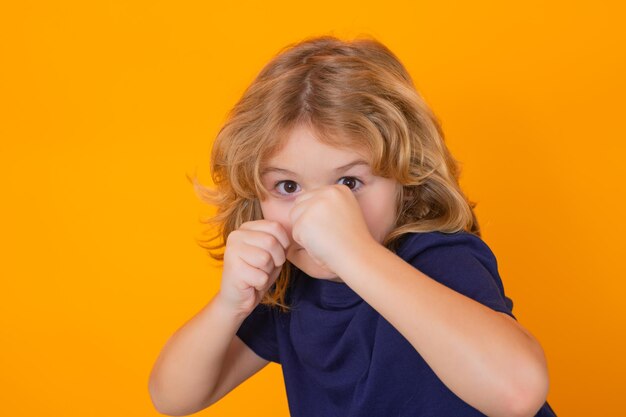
x: 350, y: 93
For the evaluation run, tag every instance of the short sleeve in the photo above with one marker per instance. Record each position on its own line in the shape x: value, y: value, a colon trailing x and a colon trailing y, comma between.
x: 258, y: 332
x: 465, y: 264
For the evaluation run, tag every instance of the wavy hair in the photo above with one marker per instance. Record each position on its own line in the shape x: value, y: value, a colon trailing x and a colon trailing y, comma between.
x: 350, y: 93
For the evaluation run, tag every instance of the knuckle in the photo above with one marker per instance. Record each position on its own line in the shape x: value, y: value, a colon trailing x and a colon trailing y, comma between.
x: 251, y: 276
x: 276, y: 227
x: 248, y: 225
x: 265, y: 257
x: 268, y: 240
x: 282, y: 257
x: 260, y: 277
x: 233, y: 236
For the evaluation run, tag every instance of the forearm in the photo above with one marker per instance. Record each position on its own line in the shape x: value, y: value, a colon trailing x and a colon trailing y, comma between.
x: 483, y: 356
x: 189, y: 365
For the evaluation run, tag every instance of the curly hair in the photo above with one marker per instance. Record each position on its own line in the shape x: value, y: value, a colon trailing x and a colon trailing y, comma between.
x: 349, y: 93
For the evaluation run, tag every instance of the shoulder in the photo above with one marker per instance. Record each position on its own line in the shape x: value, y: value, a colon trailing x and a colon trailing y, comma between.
x: 461, y: 261
x: 417, y: 245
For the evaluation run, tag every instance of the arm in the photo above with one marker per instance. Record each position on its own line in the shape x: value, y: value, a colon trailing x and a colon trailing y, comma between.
x: 201, y: 362
x: 485, y: 357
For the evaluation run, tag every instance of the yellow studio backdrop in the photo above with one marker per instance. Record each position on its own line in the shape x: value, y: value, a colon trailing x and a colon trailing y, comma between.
x: 105, y: 107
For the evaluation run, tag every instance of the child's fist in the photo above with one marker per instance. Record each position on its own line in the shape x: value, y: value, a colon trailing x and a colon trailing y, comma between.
x: 327, y: 222
x: 254, y: 256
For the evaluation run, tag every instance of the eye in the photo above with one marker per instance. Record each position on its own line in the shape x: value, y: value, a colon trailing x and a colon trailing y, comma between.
x: 351, y: 182
x: 290, y: 187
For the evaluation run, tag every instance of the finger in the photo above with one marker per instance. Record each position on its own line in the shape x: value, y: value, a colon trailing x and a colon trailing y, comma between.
x: 272, y: 278
x: 301, y: 203
x: 266, y: 282
x: 257, y: 258
x: 304, y: 196
x: 266, y: 242
x: 295, y: 213
x: 256, y: 278
x: 269, y: 226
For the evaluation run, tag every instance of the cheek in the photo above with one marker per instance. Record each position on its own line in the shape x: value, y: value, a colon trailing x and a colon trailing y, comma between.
x: 374, y: 212
x: 277, y: 211
x: 379, y: 213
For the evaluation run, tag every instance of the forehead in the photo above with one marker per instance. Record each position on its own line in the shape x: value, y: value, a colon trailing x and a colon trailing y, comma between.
x: 301, y: 147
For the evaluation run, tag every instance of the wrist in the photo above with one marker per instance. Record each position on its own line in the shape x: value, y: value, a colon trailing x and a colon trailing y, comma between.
x: 345, y: 261
x: 226, y: 312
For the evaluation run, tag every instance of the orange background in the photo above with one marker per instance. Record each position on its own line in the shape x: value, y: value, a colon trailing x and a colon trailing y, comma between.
x: 106, y: 106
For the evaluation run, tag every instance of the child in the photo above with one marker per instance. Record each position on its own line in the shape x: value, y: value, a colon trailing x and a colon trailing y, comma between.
x: 352, y: 257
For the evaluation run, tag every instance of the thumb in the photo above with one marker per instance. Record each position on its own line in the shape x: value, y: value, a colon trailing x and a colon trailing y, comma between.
x: 272, y: 278
x: 274, y: 275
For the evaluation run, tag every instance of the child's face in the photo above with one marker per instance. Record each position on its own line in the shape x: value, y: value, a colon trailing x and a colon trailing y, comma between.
x: 312, y: 164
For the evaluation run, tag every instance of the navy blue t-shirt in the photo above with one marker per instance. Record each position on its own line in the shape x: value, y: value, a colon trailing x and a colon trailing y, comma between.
x: 340, y: 358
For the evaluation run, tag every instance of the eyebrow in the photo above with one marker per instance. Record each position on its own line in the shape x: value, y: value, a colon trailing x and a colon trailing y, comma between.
x: 345, y: 167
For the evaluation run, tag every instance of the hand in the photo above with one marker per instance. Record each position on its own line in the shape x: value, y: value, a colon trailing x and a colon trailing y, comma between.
x: 253, y: 258
x: 327, y: 222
